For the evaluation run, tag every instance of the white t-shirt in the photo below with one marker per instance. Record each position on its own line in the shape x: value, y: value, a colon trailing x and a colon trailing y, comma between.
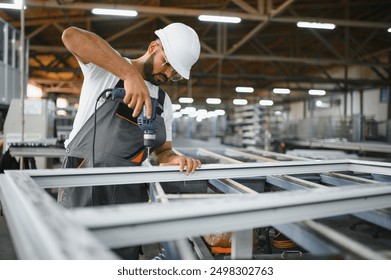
x: 96, y: 79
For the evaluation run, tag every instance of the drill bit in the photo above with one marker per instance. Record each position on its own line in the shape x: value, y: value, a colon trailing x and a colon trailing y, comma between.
x: 148, y: 149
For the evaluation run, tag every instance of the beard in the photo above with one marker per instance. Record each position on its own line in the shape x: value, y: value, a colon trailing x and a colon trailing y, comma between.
x: 155, y: 79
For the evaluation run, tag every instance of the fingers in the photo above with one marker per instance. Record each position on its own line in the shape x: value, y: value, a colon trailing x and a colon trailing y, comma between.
x: 137, y: 106
x: 137, y: 102
x: 192, y: 165
x: 187, y: 164
x: 148, y: 107
x: 136, y: 96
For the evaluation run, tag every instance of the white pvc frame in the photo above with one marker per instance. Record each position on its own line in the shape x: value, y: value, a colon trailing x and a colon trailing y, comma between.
x: 43, y: 230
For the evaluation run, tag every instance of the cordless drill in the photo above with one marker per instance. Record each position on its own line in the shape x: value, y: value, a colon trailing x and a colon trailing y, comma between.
x: 147, y: 125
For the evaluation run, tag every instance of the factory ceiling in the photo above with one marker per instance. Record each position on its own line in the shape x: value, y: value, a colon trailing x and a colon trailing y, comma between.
x: 265, y: 50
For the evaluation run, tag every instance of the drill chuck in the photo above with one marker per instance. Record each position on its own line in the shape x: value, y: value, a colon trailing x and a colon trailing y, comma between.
x: 149, y: 139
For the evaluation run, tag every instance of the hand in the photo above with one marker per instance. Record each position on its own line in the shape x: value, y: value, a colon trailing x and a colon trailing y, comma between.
x: 191, y: 164
x: 137, y: 95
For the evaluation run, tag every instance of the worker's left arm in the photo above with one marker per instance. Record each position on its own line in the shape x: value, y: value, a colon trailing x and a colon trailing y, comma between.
x: 166, y: 156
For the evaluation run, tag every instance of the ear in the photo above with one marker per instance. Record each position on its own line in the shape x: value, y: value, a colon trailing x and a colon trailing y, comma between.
x: 153, y: 46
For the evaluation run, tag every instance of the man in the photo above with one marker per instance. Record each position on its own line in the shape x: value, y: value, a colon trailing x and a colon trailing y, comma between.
x: 110, y: 136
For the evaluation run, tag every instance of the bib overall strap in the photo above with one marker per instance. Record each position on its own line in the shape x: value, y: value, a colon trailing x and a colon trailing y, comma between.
x: 160, y: 101
x: 120, y: 84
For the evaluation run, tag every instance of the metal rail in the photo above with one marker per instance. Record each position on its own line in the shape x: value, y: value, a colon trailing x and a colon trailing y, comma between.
x: 115, y: 227
x: 48, y: 231
x: 313, y: 241
x: 347, y: 146
x: 42, y: 230
x: 124, y: 175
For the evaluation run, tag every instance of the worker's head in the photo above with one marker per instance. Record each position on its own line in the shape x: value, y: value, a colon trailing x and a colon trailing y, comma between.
x: 174, y: 52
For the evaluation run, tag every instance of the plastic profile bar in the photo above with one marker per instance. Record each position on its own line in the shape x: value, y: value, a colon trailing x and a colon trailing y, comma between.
x: 217, y: 156
x: 348, y: 146
x: 318, y: 242
x: 331, y: 243
x: 124, y: 175
x: 315, y: 242
x: 273, y: 154
x: 39, y: 227
x: 13, y: 177
x: 311, y: 242
x: 241, y: 241
x: 37, y: 152
x: 178, y: 248
x: 381, y: 217
x: 170, y: 221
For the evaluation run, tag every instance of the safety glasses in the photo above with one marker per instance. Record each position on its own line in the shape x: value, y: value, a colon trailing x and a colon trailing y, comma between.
x: 175, y: 76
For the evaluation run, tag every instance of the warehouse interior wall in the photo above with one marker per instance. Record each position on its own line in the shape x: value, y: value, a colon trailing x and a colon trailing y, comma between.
x: 340, y: 109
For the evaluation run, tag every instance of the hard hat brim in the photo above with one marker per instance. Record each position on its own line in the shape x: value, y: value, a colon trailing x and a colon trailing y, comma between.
x: 185, y: 73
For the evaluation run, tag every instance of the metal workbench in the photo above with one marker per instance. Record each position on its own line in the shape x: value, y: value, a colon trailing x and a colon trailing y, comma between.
x: 245, y: 190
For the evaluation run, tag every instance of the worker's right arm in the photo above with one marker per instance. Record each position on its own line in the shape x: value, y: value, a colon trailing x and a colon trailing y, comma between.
x: 88, y: 47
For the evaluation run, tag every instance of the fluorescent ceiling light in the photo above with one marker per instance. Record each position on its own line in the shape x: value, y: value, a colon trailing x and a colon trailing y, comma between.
x: 244, y: 89
x: 220, y: 112
x: 188, y: 110
x: 177, y: 115
x: 219, y: 19
x: 9, y: 6
x: 239, y: 101
x: 213, y: 100
x: 281, y: 91
x: 176, y: 107
x: 185, y: 100
x: 62, y: 103
x: 33, y: 91
x: 317, y: 92
x: 114, y: 12
x: 318, y: 25
x: 265, y: 102
x: 15, y: 6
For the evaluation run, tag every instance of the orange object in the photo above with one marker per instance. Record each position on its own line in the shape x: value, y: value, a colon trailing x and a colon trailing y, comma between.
x: 282, y: 242
x: 220, y: 243
x: 138, y: 158
x: 220, y: 250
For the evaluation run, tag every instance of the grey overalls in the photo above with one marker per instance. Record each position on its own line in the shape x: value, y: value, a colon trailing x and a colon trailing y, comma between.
x: 118, y: 142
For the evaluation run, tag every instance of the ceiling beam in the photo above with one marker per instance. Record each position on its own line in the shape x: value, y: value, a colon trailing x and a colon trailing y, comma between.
x: 317, y: 80
x: 305, y: 60
x: 173, y: 11
x: 246, y: 7
x: 201, y: 77
x: 144, y: 9
x: 270, y: 58
x: 338, y: 22
x: 129, y: 29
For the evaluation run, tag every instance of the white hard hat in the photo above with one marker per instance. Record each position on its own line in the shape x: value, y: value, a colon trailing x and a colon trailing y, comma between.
x: 181, y: 46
